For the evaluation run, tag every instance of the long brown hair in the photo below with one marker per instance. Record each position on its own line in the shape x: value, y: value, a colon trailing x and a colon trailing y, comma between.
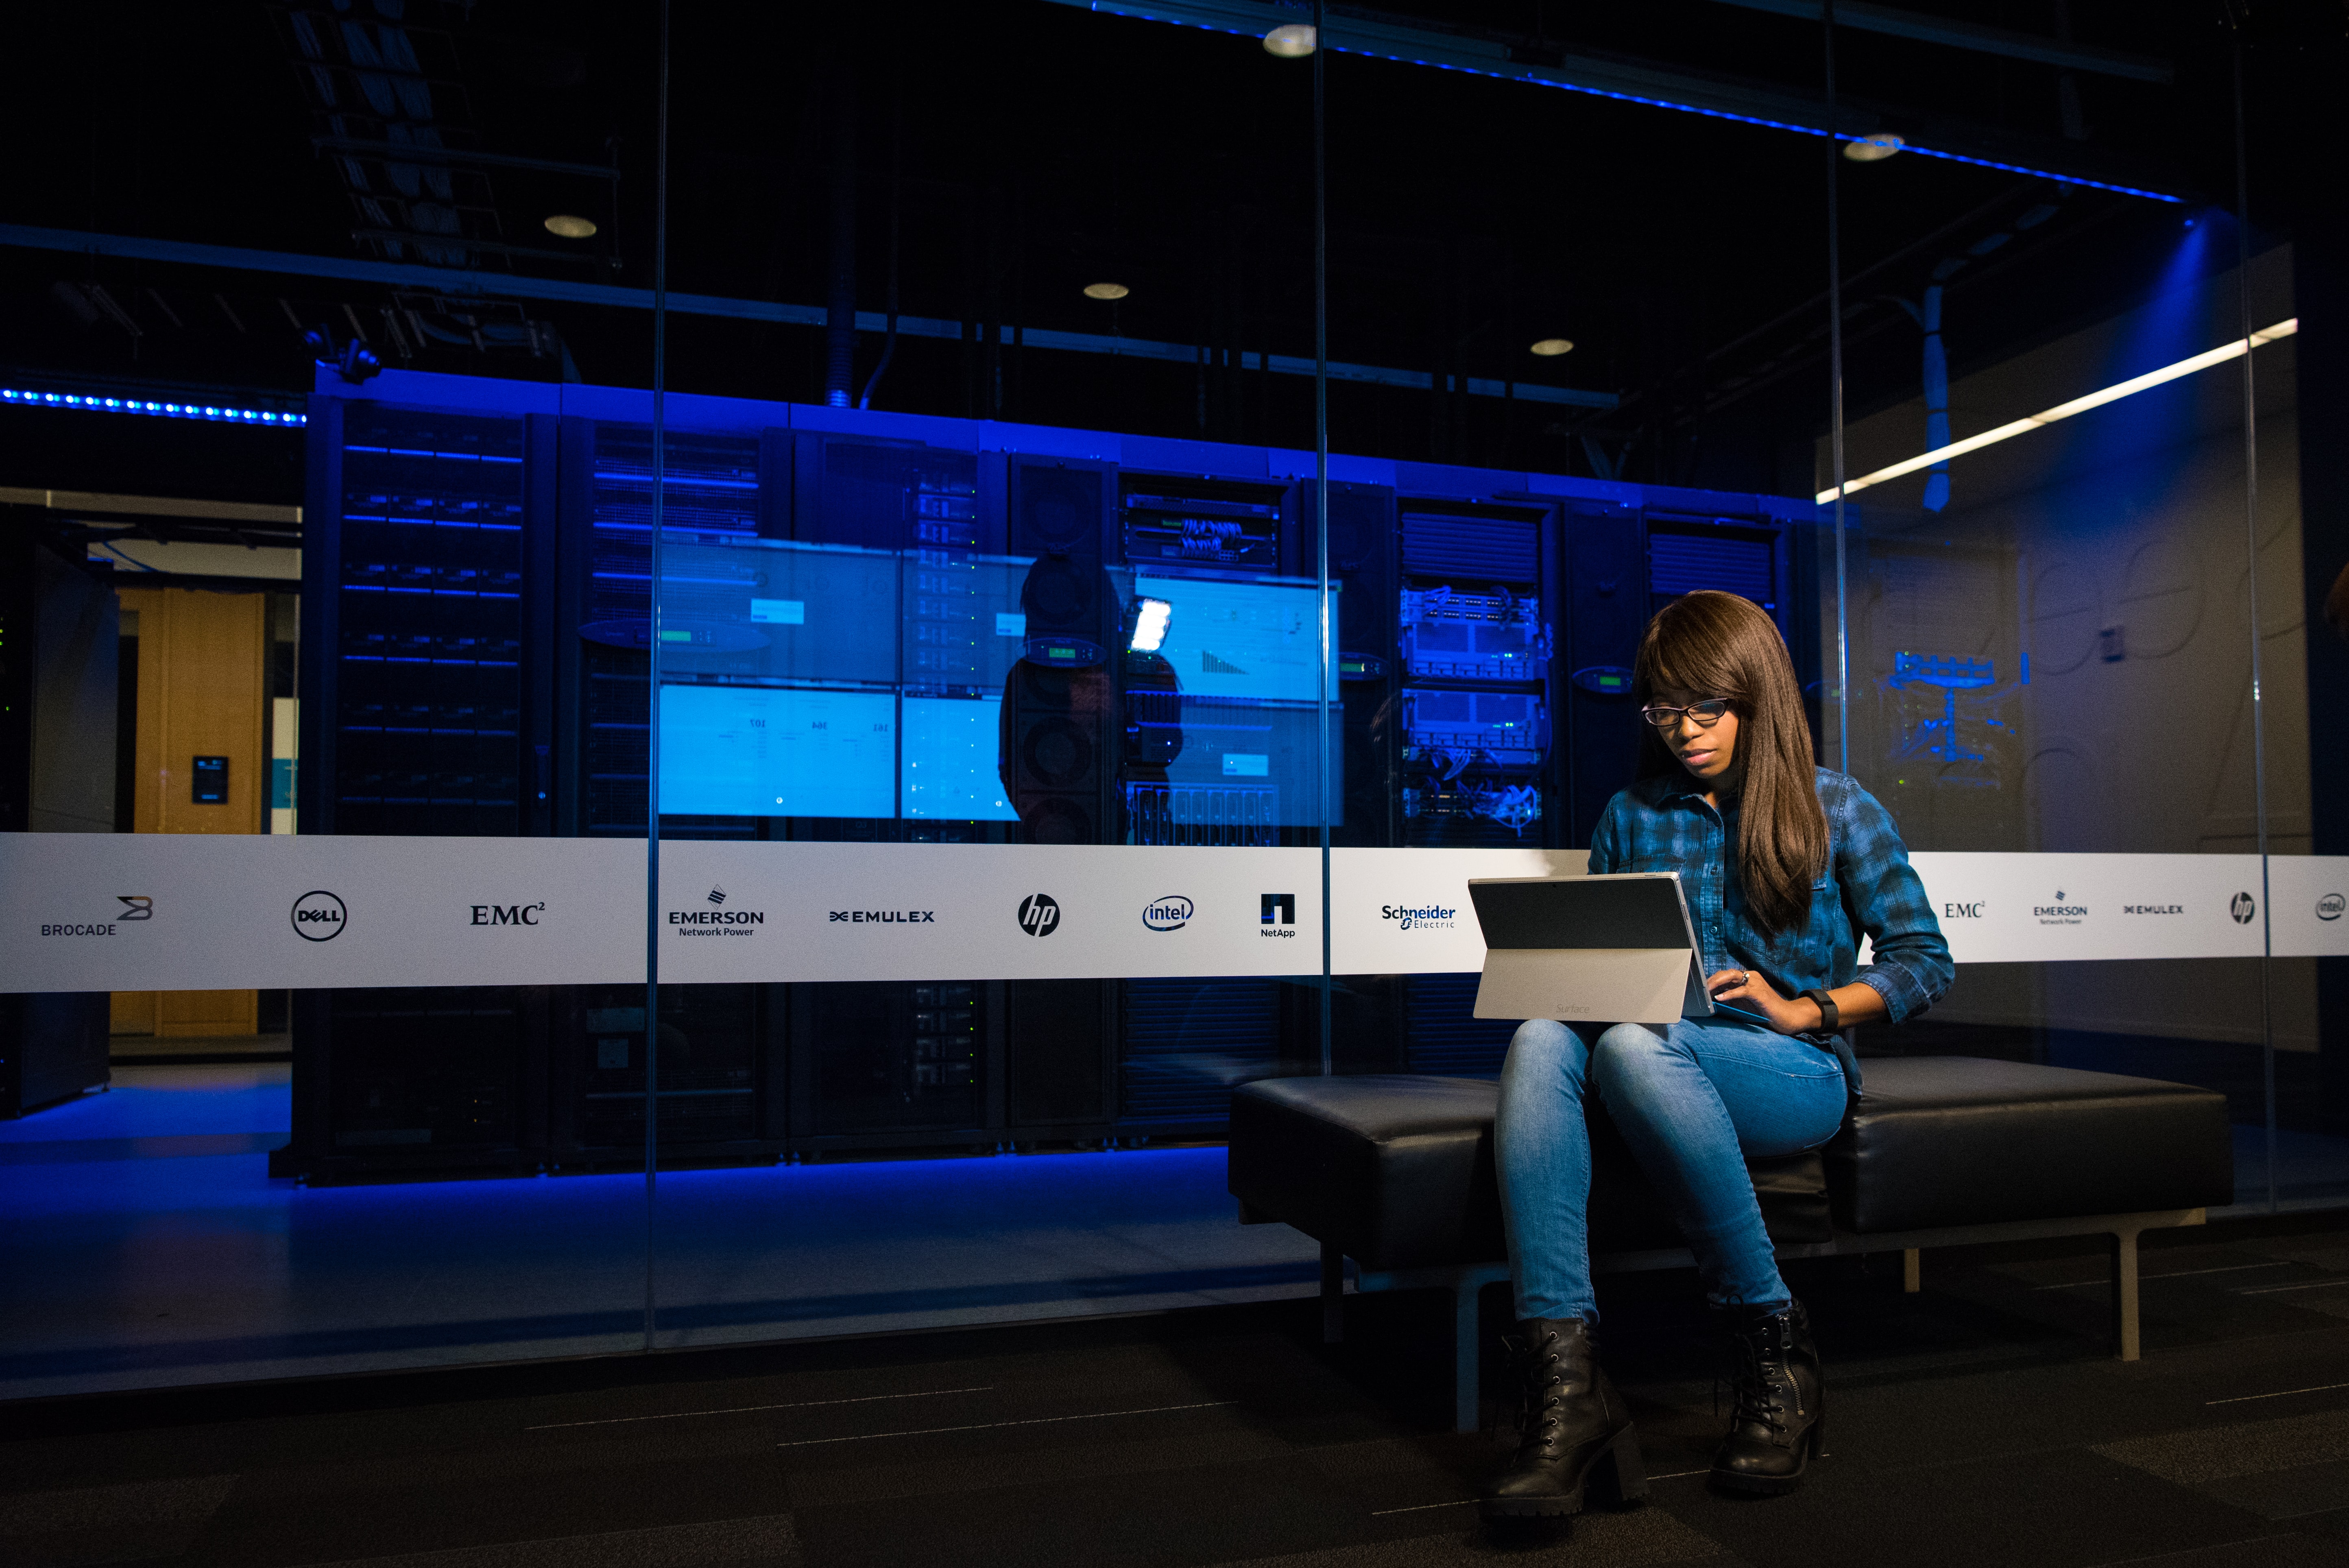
x: 1710, y: 644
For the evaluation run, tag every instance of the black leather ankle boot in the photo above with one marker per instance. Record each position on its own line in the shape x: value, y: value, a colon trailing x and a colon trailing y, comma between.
x: 1779, y: 1425
x: 1572, y: 1425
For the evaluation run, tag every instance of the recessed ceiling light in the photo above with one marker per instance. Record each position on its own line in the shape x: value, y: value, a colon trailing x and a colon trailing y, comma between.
x: 1873, y: 149
x: 570, y: 226
x: 1551, y: 347
x: 1106, y: 291
x: 1293, y: 41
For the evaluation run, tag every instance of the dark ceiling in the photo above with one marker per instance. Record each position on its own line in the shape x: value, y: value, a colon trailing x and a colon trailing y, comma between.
x: 1019, y: 150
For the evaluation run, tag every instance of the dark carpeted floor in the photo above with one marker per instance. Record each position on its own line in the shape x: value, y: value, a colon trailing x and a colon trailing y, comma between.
x: 1978, y: 1422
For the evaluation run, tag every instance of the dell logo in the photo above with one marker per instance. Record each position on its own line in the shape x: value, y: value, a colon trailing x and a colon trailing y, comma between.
x: 318, y: 916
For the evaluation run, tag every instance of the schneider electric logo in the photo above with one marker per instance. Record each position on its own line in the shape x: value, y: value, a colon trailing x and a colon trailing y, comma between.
x: 1429, y: 917
x: 717, y: 919
x: 1170, y: 912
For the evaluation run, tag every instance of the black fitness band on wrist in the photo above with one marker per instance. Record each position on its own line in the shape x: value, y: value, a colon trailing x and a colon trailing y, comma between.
x: 1831, y: 1015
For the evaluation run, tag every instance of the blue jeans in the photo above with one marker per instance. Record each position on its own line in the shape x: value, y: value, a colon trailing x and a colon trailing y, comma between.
x: 1691, y: 1101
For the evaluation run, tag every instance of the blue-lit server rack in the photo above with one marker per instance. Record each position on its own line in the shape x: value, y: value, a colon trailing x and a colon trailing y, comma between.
x: 476, y: 602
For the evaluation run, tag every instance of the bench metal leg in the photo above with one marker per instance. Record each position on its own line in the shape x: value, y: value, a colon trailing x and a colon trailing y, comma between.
x: 2125, y: 1329
x: 1912, y: 1270
x: 1467, y: 1365
x: 1333, y: 1294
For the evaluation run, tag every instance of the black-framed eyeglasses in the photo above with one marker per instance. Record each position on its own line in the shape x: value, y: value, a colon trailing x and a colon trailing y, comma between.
x: 1706, y: 713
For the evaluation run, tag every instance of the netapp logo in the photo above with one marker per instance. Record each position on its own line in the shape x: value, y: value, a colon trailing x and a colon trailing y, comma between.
x: 2059, y: 913
x: 1276, y: 914
x: 1171, y: 913
x: 2329, y: 907
x: 717, y: 919
x: 2153, y: 909
x: 1038, y: 915
x: 1433, y: 917
x: 885, y: 916
x: 135, y: 906
x: 318, y: 916
x: 2242, y: 906
x: 508, y: 913
x: 1962, y: 911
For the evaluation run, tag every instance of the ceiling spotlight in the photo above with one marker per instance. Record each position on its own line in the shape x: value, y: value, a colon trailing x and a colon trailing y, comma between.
x: 1106, y: 291
x: 1292, y: 41
x: 1551, y: 347
x: 570, y: 227
x: 1873, y: 149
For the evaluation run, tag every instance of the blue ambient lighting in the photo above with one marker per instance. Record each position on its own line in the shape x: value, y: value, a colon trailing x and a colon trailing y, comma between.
x: 22, y: 398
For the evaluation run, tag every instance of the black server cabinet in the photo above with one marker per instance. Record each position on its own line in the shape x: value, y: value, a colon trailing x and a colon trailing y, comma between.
x: 721, y: 1078
x: 1478, y: 604
x: 59, y: 641
x: 426, y: 606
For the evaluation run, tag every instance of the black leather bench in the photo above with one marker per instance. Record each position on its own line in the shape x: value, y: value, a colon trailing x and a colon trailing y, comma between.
x: 1395, y: 1171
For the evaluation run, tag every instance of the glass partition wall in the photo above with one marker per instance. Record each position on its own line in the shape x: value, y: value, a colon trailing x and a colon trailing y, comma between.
x: 1014, y: 603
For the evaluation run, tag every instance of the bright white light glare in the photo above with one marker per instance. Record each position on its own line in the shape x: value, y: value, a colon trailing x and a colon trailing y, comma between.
x: 1551, y: 347
x: 1293, y: 41
x: 1873, y: 149
x: 2113, y: 394
x: 1106, y: 291
x: 571, y: 227
x: 1150, y: 625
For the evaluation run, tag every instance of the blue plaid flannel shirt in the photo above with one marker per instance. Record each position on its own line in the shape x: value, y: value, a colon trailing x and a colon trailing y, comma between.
x: 1663, y: 824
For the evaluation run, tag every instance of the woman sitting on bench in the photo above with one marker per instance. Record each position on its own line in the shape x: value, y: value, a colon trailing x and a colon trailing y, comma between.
x: 1783, y: 864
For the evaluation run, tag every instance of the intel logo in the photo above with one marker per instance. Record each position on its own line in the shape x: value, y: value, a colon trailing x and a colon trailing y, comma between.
x: 1172, y: 912
x: 2329, y: 907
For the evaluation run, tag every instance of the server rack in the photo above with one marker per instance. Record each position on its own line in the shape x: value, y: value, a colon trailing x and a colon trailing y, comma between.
x: 1486, y: 631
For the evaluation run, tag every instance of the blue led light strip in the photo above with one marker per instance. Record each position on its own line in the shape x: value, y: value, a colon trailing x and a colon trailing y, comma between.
x: 218, y: 412
x: 1473, y: 57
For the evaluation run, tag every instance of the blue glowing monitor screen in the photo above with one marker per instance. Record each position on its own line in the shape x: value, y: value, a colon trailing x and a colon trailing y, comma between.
x: 1249, y: 640
x: 949, y: 770
x: 1250, y: 762
x: 781, y: 610
x: 763, y: 751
